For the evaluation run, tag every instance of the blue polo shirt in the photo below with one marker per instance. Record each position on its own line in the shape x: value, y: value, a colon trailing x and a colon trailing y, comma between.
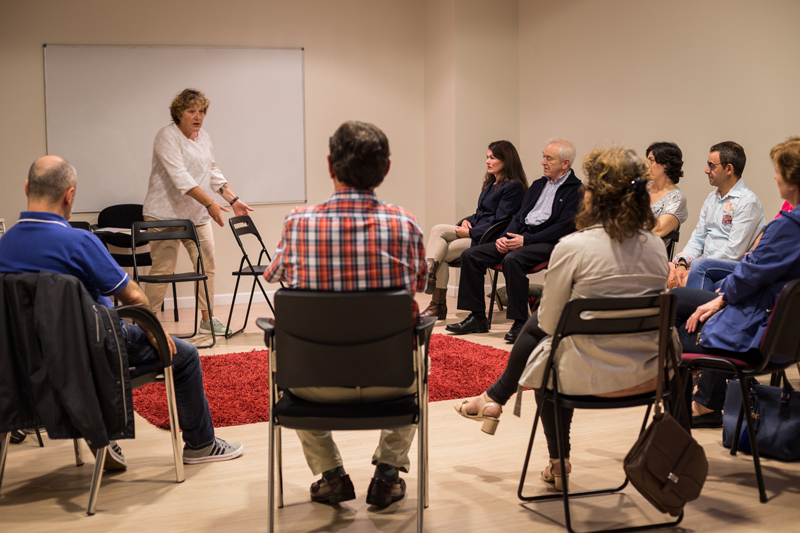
x: 45, y: 241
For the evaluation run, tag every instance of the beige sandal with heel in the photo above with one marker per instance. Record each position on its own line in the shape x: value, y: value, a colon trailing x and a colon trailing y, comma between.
x: 556, y: 480
x: 489, y: 422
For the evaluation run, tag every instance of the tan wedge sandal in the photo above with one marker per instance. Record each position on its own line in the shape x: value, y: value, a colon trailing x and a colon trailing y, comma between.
x: 556, y: 480
x: 489, y: 422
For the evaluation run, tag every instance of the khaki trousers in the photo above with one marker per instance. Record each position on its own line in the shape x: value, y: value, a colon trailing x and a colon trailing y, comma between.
x: 165, y: 257
x: 321, y: 452
x: 445, y: 246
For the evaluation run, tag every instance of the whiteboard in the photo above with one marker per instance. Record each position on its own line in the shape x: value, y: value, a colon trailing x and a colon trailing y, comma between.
x: 105, y: 104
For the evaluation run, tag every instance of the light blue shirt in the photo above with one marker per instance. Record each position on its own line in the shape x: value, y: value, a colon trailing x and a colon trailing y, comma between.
x: 544, y: 205
x: 728, y: 225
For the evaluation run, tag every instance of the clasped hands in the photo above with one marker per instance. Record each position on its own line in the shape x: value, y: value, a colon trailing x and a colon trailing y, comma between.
x: 510, y: 243
x: 463, y: 230
x: 677, y: 276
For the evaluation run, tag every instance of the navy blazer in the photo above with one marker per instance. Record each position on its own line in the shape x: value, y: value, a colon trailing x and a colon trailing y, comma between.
x: 562, y: 219
x: 753, y: 288
x: 495, y: 204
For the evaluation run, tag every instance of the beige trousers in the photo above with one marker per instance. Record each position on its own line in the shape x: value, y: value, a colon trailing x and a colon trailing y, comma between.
x: 321, y: 452
x: 165, y: 257
x: 445, y: 246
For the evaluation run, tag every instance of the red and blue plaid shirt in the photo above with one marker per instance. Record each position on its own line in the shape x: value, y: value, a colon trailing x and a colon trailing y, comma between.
x: 351, y: 242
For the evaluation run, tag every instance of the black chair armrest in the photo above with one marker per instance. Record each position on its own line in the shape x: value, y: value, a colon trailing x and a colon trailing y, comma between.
x: 144, y: 318
x: 423, y: 330
x: 268, y: 325
x: 494, y: 231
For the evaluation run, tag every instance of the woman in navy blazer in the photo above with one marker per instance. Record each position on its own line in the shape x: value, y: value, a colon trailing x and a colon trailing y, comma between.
x: 504, y: 187
x: 737, y: 314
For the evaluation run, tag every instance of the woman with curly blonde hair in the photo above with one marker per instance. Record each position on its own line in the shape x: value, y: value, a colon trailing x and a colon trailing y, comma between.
x: 613, y: 253
x: 182, y: 179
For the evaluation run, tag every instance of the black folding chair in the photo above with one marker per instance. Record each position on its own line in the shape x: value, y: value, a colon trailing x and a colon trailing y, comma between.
x: 780, y: 349
x: 670, y: 240
x: 602, y: 316
x: 122, y: 216
x: 184, y: 229
x: 385, y: 349
x: 247, y: 227
x: 157, y: 372
x: 495, y: 272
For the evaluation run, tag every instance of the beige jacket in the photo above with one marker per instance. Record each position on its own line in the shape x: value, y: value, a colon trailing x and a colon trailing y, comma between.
x: 589, y: 264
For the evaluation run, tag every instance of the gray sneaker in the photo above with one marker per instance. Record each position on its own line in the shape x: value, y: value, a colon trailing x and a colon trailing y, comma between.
x: 219, y: 450
x: 114, y: 458
x: 219, y: 327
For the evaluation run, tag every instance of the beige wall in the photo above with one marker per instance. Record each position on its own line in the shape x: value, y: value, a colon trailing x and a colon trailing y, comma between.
x: 363, y: 60
x: 444, y: 78
x: 635, y: 72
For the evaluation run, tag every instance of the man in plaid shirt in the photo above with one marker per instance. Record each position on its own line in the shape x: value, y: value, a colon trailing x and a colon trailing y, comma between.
x: 353, y: 242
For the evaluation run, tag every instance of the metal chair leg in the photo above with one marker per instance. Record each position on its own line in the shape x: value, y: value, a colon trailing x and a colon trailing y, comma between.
x: 76, y: 444
x: 97, y: 477
x: 174, y: 429
x: 271, y: 476
x: 279, y: 464
x: 175, y: 302
x: 762, y: 492
x: 493, y: 296
x: 39, y: 437
x: 5, y: 441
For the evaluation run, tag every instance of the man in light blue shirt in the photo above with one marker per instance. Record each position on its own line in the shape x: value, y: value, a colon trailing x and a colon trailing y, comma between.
x: 730, y: 220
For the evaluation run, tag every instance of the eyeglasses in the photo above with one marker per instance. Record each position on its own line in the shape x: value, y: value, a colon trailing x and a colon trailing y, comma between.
x: 712, y: 166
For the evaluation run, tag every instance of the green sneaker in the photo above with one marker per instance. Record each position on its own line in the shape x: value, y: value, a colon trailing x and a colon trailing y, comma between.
x: 219, y: 327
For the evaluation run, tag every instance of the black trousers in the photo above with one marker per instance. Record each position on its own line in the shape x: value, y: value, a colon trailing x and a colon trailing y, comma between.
x: 477, y: 259
x: 713, y: 385
x: 506, y: 385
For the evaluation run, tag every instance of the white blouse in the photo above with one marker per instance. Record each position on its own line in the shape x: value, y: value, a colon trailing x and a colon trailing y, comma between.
x: 180, y: 165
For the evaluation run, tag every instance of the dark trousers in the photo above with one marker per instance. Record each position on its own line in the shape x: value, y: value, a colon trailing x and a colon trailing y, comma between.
x: 713, y: 385
x: 506, y: 385
x: 516, y: 264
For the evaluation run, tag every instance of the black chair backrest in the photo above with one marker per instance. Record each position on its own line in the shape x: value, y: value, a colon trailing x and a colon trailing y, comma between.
x: 494, y: 232
x: 80, y: 224
x: 244, y: 225
x: 343, y: 339
x: 613, y: 316
x: 120, y: 216
x: 781, y: 343
x: 671, y: 240
x: 184, y: 230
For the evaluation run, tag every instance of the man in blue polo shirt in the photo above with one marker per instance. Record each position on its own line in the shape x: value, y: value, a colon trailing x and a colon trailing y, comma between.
x: 42, y: 239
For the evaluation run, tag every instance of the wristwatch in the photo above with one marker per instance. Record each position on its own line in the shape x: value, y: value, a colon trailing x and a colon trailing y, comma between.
x: 234, y: 200
x: 682, y: 261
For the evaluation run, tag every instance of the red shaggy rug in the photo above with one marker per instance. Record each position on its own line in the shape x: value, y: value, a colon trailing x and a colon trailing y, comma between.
x: 237, y: 384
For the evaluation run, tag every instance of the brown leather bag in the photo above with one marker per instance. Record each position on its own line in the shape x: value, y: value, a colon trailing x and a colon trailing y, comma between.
x: 666, y: 465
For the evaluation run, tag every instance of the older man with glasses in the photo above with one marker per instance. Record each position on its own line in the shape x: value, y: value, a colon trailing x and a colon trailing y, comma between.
x: 730, y: 221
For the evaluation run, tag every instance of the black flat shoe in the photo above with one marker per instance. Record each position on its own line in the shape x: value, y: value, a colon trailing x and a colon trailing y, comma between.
x: 708, y: 420
x: 514, y: 332
x: 470, y: 325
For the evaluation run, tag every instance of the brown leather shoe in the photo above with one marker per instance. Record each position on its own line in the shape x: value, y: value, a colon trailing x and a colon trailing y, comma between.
x: 334, y: 490
x: 438, y: 305
x: 382, y: 493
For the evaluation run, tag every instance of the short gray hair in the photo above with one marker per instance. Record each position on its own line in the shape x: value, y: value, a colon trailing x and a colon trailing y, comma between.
x: 565, y: 149
x: 50, y: 182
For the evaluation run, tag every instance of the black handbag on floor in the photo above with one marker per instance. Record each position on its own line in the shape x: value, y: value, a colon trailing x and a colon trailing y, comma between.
x: 776, y: 420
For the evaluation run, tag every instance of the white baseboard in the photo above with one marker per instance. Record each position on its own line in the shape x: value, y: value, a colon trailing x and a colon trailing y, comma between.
x: 219, y: 299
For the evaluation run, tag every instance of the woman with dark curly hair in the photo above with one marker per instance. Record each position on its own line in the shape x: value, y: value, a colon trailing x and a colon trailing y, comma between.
x: 182, y: 179
x: 614, y: 253
x: 504, y: 186
x: 665, y: 161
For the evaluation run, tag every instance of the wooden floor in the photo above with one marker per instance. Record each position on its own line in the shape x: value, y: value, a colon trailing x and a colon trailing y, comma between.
x: 473, y: 477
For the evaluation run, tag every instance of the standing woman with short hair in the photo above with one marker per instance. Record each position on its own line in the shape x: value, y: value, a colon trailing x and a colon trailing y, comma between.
x: 504, y: 187
x: 182, y: 179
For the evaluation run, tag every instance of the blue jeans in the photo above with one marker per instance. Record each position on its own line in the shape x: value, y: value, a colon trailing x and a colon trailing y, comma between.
x: 194, y: 416
x: 708, y: 274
